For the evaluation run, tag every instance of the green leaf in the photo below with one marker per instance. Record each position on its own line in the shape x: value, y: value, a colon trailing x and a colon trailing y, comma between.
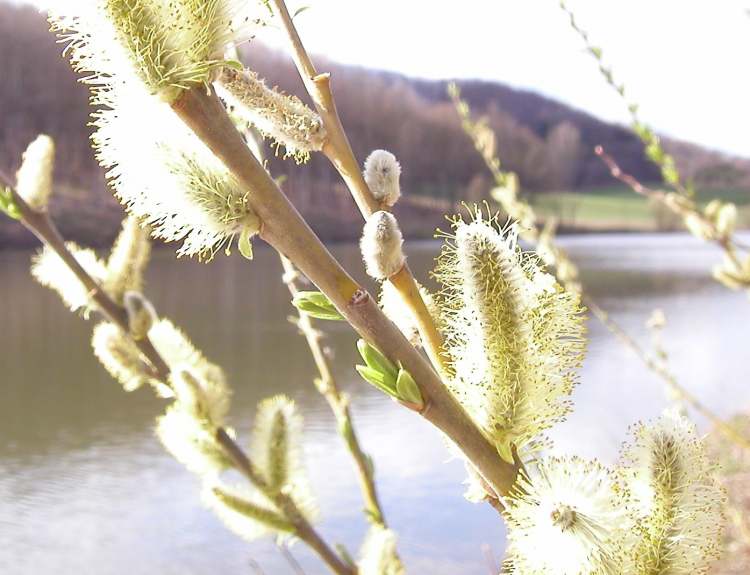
x: 378, y: 379
x: 7, y: 204
x: 317, y: 305
x: 377, y: 361
x: 245, y: 244
x: 407, y: 388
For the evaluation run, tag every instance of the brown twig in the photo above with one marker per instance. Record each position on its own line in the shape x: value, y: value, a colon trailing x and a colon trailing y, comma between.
x: 338, y: 403
x: 721, y: 426
x: 339, y: 151
x: 290, y: 559
x: 726, y: 243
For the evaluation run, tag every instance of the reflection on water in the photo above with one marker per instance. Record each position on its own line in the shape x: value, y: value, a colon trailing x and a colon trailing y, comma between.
x: 86, y: 488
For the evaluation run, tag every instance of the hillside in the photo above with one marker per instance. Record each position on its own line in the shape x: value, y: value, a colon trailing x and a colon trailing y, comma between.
x: 547, y: 143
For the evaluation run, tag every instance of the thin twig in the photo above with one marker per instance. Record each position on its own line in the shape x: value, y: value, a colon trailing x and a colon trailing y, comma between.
x: 41, y: 225
x: 255, y: 566
x: 338, y: 402
x: 726, y: 243
x: 293, y: 563
x: 339, y: 151
x: 681, y: 392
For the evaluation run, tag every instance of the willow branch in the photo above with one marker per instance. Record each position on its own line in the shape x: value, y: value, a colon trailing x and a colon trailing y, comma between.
x: 42, y: 226
x: 302, y: 527
x: 339, y: 151
x: 287, y: 232
x: 681, y: 392
x: 338, y: 402
x: 726, y: 243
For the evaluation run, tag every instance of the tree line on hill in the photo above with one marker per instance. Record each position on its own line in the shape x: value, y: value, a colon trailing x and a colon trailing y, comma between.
x: 547, y: 143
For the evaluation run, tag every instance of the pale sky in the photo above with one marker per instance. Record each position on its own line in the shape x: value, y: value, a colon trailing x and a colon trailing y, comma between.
x: 685, y: 62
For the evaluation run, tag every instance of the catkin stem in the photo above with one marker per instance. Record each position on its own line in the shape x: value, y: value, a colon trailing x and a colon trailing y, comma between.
x: 302, y: 527
x: 41, y: 225
x: 337, y: 402
x: 339, y: 151
x: 287, y: 232
x: 720, y: 425
x: 432, y: 341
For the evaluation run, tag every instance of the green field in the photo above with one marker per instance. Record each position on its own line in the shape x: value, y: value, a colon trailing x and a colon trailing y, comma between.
x: 619, y: 208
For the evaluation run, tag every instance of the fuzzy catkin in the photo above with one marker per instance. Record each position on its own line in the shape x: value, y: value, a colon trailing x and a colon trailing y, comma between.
x: 381, y: 246
x: 513, y: 336
x: 285, y: 119
x: 34, y: 177
x: 276, y: 449
x: 566, y: 520
x: 127, y: 261
x: 52, y: 272
x: 132, y: 51
x: 246, y: 513
x: 379, y: 555
x: 168, y: 46
x: 181, y: 355
x: 674, y: 499
x: 382, y: 173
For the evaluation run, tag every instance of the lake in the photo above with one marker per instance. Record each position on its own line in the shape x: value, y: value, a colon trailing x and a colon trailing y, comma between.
x: 86, y: 488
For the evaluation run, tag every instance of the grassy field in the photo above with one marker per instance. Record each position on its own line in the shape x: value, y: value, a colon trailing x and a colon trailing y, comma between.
x: 619, y: 208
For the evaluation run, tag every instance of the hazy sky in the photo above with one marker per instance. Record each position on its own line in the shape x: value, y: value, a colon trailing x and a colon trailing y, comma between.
x: 684, y: 61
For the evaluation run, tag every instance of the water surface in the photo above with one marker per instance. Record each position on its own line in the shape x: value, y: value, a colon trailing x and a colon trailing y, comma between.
x: 85, y: 488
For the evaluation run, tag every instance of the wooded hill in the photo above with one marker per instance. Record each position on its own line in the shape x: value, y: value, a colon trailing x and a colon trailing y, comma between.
x: 547, y: 143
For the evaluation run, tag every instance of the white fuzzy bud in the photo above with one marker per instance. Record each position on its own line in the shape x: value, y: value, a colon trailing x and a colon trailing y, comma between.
x: 726, y: 220
x: 382, y: 173
x: 34, y: 178
x: 141, y: 314
x: 381, y: 246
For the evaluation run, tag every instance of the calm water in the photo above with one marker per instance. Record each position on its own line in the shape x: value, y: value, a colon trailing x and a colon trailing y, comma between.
x: 85, y: 488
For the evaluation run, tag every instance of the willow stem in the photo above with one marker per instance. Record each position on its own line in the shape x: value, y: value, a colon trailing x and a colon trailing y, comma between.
x: 339, y: 151
x: 338, y: 402
x: 727, y: 244
x: 287, y: 232
x: 41, y: 225
x: 683, y: 394
x: 302, y: 527
x: 432, y: 340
